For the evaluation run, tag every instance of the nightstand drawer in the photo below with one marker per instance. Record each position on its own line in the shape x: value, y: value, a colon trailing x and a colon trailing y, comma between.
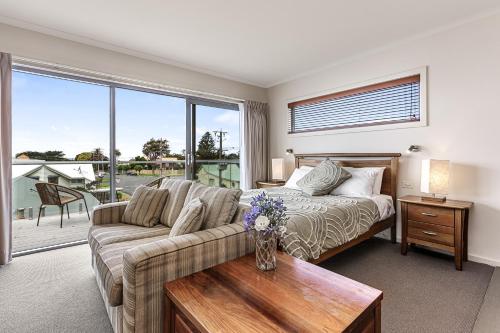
x: 429, y: 214
x: 431, y: 233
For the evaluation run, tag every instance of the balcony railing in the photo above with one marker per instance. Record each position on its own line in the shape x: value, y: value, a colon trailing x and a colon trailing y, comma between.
x: 92, y: 179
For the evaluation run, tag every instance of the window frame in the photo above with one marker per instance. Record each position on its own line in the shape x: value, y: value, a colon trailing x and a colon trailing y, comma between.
x: 190, y: 100
x: 422, y: 71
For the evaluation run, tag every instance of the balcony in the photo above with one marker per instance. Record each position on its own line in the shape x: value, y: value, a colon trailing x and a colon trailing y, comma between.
x: 92, y: 180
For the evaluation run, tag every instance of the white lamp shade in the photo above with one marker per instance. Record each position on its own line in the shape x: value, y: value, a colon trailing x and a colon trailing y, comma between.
x: 435, y: 176
x: 278, y: 166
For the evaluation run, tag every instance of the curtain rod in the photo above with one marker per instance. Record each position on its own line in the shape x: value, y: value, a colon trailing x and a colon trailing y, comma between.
x: 89, y: 74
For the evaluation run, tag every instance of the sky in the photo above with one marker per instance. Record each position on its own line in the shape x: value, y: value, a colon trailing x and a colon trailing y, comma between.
x: 56, y: 114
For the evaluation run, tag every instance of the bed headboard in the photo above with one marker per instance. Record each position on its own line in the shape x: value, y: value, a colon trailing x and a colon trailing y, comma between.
x: 358, y: 160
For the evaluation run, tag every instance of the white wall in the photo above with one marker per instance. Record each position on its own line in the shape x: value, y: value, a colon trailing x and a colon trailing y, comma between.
x: 37, y: 46
x: 463, y: 117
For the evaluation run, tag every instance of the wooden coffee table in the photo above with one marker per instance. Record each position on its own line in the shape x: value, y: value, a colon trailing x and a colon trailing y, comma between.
x: 297, y: 297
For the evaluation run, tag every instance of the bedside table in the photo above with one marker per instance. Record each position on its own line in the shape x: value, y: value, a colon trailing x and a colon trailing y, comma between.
x: 271, y: 183
x: 438, y: 225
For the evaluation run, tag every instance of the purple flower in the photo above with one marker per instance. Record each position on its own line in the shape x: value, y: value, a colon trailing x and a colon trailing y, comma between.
x: 272, y: 208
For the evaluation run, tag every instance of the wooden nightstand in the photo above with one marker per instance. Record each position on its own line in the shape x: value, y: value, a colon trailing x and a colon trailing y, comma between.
x: 438, y: 225
x: 271, y: 183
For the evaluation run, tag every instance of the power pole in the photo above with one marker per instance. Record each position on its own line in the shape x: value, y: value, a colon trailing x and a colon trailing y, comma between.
x: 219, y: 135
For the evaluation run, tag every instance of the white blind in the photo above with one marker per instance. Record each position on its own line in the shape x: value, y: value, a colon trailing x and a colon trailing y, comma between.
x: 394, y: 101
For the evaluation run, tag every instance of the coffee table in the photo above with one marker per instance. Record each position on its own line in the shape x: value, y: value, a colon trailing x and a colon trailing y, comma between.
x: 298, y: 297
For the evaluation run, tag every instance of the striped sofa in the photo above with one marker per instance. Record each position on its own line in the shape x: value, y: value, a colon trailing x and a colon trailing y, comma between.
x: 132, y: 263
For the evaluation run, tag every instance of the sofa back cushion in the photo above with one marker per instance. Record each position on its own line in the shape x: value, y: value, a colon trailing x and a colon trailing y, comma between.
x: 190, y: 218
x: 145, y: 206
x: 178, y: 189
x: 221, y: 204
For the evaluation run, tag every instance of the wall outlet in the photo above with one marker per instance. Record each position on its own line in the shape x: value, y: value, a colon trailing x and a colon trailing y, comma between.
x: 406, y: 184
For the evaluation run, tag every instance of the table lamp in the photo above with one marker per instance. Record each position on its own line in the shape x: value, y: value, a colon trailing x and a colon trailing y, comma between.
x: 278, y: 169
x: 434, y: 179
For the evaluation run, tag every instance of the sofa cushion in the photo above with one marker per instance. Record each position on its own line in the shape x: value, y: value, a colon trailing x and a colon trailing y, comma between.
x: 109, y: 264
x: 104, y: 234
x: 190, y: 218
x: 221, y: 204
x: 145, y: 206
x: 178, y: 189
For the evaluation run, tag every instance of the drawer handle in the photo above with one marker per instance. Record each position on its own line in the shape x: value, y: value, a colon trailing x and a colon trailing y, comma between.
x: 429, y: 214
x: 430, y: 233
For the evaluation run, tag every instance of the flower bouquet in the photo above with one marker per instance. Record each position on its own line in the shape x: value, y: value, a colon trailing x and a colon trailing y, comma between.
x: 266, y: 221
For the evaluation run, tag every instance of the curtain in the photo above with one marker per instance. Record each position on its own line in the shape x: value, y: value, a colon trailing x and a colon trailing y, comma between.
x: 5, y: 159
x: 254, y: 157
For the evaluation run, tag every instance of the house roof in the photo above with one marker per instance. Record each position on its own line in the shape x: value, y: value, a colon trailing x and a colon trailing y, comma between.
x: 71, y: 171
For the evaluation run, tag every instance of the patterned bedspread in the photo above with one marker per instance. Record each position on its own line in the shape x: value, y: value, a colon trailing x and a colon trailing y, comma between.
x: 319, y: 223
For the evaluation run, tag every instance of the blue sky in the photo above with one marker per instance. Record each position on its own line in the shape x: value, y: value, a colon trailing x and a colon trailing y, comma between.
x: 55, y: 114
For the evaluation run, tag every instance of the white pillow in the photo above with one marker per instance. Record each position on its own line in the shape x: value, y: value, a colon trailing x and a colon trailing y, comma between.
x: 296, y: 176
x: 377, y: 186
x: 360, y: 184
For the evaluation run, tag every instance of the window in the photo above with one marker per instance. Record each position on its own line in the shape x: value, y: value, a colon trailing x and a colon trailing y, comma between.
x: 53, y: 179
x: 391, y: 102
x: 104, y: 139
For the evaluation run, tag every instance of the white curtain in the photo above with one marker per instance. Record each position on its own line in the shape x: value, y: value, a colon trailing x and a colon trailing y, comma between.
x: 5, y: 159
x: 254, y: 157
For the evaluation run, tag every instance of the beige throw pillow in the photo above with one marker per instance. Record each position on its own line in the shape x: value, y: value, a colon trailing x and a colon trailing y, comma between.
x: 177, y: 189
x: 221, y: 204
x: 145, y: 206
x: 190, y: 218
x: 323, y: 179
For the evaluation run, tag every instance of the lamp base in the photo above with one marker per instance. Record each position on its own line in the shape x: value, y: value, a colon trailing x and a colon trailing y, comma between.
x: 434, y: 199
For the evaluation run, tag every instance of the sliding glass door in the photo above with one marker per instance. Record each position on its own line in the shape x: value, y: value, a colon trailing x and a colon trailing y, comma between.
x: 60, y: 137
x: 150, y: 139
x: 215, y: 143
x: 102, y: 140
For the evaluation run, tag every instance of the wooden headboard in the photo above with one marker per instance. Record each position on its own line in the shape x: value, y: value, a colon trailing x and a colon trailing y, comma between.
x: 358, y: 160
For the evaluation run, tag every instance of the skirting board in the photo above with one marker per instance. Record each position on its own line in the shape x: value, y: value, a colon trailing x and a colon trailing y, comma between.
x: 472, y: 257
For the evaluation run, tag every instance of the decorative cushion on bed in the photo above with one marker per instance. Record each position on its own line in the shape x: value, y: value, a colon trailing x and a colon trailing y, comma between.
x: 145, y: 206
x: 323, y: 178
x: 297, y: 175
x: 221, y: 204
x: 177, y: 189
x: 360, y: 184
x: 190, y: 218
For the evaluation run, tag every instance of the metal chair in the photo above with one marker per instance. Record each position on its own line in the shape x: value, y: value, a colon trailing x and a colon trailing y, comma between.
x: 57, y: 195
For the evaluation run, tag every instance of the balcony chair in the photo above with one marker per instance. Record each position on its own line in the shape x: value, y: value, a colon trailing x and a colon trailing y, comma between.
x: 57, y: 195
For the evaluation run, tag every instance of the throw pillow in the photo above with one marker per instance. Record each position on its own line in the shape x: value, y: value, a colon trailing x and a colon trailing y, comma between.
x: 178, y: 189
x: 323, y: 178
x: 145, y: 206
x: 190, y: 218
x: 221, y: 204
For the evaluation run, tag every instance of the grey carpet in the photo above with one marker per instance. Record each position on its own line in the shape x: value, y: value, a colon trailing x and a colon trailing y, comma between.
x: 422, y: 291
x: 53, y: 291
x: 488, y: 320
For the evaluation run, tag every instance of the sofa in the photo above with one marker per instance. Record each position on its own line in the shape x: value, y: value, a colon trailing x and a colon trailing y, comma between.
x: 132, y: 263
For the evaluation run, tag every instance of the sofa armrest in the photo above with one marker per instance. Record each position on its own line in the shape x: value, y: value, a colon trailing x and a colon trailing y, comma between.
x: 108, y: 213
x: 147, y: 267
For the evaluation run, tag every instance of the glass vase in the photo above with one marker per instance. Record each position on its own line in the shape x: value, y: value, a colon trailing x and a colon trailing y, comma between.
x: 265, y: 250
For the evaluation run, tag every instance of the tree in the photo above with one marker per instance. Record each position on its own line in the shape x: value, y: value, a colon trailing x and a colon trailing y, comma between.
x: 85, y: 156
x: 50, y: 155
x: 138, y: 168
x: 206, y: 147
x: 156, y: 148
x: 118, y: 153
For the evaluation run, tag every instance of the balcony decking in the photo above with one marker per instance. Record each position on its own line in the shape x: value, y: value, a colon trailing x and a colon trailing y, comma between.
x: 27, y: 236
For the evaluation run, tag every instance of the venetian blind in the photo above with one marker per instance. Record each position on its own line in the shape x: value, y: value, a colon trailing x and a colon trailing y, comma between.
x: 389, y: 102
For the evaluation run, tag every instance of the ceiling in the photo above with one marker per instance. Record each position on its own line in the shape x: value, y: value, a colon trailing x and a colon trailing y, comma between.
x: 262, y: 42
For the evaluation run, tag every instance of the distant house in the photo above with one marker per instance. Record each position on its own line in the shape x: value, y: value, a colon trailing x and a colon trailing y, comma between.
x: 30, y: 172
x: 69, y: 175
x: 230, y: 175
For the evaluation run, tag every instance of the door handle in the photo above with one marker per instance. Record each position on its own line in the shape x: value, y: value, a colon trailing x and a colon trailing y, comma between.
x: 430, y: 233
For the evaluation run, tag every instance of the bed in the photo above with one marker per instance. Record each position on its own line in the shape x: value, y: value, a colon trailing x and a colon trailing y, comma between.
x: 323, y: 226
